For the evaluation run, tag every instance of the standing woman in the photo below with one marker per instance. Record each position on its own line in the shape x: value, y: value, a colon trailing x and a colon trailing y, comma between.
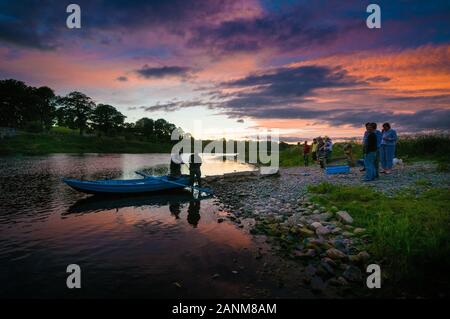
x: 314, y: 150
x: 388, y: 148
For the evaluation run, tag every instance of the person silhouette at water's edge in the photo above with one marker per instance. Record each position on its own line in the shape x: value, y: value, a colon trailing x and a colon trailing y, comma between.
x: 195, y: 162
x: 193, y: 216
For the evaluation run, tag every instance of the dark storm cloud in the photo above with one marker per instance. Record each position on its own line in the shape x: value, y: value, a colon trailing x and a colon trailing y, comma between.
x: 42, y: 24
x: 275, y: 92
x: 177, y: 105
x: 290, y: 30
x: 430, y: 119
x: 33, y: 24
x: 122, y: 78
x: 378, y: 79
x: 285, y: 93
x: 164, y: 71
x: 321, y: 24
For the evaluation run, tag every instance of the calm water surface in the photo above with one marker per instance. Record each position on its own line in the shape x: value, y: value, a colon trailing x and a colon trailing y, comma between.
x: 126, y: 247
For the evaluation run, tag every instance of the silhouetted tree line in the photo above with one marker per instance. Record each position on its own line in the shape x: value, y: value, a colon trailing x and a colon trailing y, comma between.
x: 38, y: 109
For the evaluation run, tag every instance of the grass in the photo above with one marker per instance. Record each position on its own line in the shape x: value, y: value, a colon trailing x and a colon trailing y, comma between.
x: 409, y: 232
x: 411, y: 149
x: 64, y: 130
x: 425, y: 147
x: 34, y: 144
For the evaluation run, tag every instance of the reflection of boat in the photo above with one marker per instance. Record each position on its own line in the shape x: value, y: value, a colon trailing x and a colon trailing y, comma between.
x: 100, y: 203
x: 143, y: 185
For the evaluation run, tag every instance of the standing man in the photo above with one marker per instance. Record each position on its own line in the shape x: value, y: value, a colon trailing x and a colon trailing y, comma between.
x: 370, y: 153
x: 321, y: 152
x: 306, y: 151
x: 175, y: 165
x: 195, y: 161
x: 364, y: 141
x: 379, y: 139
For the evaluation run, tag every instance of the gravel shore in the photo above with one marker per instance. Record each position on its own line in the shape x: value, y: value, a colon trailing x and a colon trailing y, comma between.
x: 328, y: 252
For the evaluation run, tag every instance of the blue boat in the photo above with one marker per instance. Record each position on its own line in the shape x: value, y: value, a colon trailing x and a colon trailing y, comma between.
x: 128, y: 186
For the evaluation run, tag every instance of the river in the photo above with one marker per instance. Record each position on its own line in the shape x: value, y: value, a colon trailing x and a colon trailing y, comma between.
x: 151, y: 246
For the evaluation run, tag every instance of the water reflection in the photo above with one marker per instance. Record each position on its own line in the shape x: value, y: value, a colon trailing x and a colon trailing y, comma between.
x: 97, y: 203
x: 194, y: 212
x: 127, y: 246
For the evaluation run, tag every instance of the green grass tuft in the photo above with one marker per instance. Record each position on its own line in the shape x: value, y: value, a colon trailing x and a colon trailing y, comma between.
x: 409, y: 232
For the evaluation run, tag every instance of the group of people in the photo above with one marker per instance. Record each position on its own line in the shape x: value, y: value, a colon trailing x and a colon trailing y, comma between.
x: 320, y: 150
x: 378, y: 147
x: 195, y: 163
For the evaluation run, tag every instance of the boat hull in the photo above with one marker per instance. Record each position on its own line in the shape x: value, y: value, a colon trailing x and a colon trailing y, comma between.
x: 132, y: 186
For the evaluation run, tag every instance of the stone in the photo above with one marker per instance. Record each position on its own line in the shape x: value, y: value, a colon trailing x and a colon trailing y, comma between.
x: 322, y: 231
x: 305, y: 232
x: 352, y: 273
x: 344, y: 217
x: 334, y: 253
x: 316, y: 225
x: 329, y: 261
x: 364, y: 256
x: 310, y: 253
x: 342, y: 281
x: 327, y: 268
x: 348, y: 234
x: 336, y: 230
x: 321, y: 217
x: 358, y: 231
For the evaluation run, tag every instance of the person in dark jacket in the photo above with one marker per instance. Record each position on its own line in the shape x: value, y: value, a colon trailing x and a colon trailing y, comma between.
x: 195, y: 161
x: 370, y: 153
x: 377, y: 160
x: 321, y: 152
x: 306, y: 151
x: 175, y: 165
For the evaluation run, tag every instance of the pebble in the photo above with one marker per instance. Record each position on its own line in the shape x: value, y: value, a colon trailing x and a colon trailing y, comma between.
x: 344, y: 217
x: 352, y: 273
x: 285, y: 200
x: 316, y: 225
x: 322, y: 231
x: 334, y: 253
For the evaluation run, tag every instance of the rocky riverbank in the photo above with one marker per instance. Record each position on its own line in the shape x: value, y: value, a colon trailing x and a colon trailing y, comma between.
x: 323, y: 245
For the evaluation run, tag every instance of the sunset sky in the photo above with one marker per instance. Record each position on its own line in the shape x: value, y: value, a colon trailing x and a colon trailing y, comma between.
x: 307, y: 68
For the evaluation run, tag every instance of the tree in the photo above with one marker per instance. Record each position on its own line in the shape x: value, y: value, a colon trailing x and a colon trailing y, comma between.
x: 77, y: 108
x: 163, y: 129
x: 106, y: 117
x: 146, y: 127
x: 45, y: 106
x: 14, y: 99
